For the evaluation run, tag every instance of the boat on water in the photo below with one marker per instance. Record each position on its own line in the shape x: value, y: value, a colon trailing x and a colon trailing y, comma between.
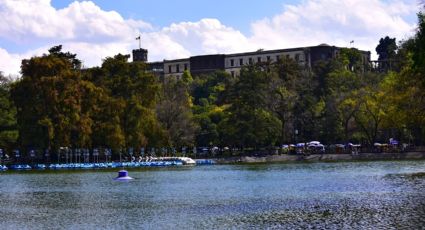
x: 20, y: 167
x: 151, y: 162
x: 123, y: 176
x: 184, y: 160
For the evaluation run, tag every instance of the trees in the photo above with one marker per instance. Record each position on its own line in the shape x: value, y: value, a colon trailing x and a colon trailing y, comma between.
x: 56, y: 107
x: 48, y: 100
x: 248, y: 122
x: 175, y: 114
x: 125, y: 109
x: 208, y: 92
x: 406, y: 88
x: 386, y: 48
x: 8, y: 125
x: 342, y: 78
x: 369, y: 116
x: 121, y: 104
x: 58, y: 104
x: 386, y: 51
x: 282, y: 96
x: 415, y: 93
x: 418, y: 55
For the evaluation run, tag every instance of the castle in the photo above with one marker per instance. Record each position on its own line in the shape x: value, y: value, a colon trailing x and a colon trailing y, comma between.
x: 232, y: 63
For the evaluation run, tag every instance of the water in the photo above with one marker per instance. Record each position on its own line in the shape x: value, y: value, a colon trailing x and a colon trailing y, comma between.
x: 358, y: 195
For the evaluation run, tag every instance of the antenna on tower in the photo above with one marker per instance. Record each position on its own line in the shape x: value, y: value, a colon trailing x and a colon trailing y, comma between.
x: 140, y: 54
x: 138, y: 38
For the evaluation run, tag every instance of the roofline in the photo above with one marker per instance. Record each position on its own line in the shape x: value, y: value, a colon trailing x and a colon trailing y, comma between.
x: 155, y: 62
x: 287, y: 50
x: 259, y: 52
x: 176, y: 60
x: 209, y: 55
x: 266, y: 52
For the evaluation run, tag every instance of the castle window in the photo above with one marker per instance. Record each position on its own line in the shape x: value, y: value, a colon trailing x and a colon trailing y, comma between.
x: 241, y: 62
x: 169, y: 69
x: 232, y: 63
x: 177, y: 68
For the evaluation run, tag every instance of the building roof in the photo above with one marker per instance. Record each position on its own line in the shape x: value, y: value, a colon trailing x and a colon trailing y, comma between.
x: 176, y: 60
x: 260, y: 52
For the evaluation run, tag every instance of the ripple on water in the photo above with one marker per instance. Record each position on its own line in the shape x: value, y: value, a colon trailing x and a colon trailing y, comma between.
x: 377, y: 195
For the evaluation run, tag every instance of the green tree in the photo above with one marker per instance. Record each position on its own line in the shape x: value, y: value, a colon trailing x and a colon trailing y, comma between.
x: 48, y: 100
x: 8, y: 125
x: 248, y: 122
x: 386, y: 51
x: 406, y: 88
x: 370, y: 116
x: 338, y: 80
x: 208, y: 91
x: 175, y: 114
x: 347, y: 109
x: 282, y: 96
x: 386, y: 48
x: 133, y: 92
x: 419, y: 48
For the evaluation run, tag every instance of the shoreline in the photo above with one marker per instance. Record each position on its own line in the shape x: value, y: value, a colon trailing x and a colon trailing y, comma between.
x: 269, y: 159
x: 285, y: 158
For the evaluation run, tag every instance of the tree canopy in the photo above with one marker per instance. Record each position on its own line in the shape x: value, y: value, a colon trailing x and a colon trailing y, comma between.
x: 122, y: 105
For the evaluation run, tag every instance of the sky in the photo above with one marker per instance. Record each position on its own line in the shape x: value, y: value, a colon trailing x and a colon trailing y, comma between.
x: 173, y: 29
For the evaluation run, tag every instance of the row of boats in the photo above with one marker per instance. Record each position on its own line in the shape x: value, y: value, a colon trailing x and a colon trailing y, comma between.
x: 92, y: 165
x: 159, y: 162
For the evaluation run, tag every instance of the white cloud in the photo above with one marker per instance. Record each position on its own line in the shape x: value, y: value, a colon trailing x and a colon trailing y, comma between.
x: 84, y: 28
x: 206, y: 36
x: 335, y: 22
x: 9, y: 63
x: 161, y: 46
x: 80, y: 21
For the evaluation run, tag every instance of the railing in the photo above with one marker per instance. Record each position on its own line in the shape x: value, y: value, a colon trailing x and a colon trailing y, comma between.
x: 40, y: 158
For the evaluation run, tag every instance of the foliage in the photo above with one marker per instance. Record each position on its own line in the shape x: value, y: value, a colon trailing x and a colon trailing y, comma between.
x: 58, y: 104
x: 248, y: 123
x: 175, y: 114
x: 122, y: 105
x: 8, y: 125
x: 48, y: 100
x: 386, y: 48
x: 418, y: 55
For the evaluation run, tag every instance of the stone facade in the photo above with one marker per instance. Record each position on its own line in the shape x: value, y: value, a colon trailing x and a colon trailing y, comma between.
x: 140, y: 55
x: 176, y: 67
x: 232, y: 63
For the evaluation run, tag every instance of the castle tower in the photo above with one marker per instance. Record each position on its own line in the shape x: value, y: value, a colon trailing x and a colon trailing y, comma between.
x: 140, y: 55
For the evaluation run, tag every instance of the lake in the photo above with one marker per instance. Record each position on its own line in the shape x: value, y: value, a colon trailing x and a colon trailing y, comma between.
x: 358, y: 195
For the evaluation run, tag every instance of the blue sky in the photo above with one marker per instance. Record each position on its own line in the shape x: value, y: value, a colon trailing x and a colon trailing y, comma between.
x: 235, y: 13
x: 176, y: 29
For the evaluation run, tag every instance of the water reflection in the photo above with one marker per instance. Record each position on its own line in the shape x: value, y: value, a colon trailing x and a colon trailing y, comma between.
x: 384, y: 195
